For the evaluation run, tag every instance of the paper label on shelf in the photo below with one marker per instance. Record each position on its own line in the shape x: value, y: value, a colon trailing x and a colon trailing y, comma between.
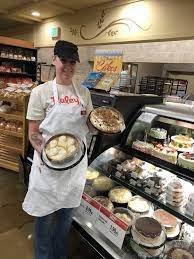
x: 111, y: 227
x: 89, y: 208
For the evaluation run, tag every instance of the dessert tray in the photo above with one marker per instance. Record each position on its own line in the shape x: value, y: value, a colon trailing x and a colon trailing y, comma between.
x: 63, y: 152
x: 181, y: 248
x: 107, y: 120
x: 187, y: 143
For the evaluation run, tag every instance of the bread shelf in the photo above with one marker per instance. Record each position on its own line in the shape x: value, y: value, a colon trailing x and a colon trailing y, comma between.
x: 176, y: 212
x: 11, y: 133
x: 16, y: 60
x: 14, y: 115
x: 17, y: 74
x: 9, y: 165
x: 11, y: 146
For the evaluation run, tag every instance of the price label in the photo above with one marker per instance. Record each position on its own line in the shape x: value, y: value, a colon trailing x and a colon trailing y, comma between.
x: 111, y: 227
x: 89, y: 208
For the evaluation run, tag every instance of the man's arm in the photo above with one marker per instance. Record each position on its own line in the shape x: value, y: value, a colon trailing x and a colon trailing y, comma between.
x: 35, y: 136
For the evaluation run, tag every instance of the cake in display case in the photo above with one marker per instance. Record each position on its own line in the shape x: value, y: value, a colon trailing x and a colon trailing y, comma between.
x: 149, y: 181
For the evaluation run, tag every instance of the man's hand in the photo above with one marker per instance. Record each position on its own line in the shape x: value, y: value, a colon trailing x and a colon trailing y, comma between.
x: 35, y: 136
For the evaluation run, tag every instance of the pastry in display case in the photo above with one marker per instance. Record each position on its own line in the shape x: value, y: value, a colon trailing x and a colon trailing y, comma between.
x: 169, y: 222
x: 152, y: 172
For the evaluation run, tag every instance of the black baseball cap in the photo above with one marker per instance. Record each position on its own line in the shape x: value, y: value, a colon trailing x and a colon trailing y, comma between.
x: 66, y: 50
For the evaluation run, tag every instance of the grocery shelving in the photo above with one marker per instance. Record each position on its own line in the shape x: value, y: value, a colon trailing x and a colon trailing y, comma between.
x: 161, y: 204
x: 175, y: 169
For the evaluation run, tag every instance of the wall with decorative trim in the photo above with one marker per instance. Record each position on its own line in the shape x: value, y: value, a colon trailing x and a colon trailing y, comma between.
x: 122, y: 21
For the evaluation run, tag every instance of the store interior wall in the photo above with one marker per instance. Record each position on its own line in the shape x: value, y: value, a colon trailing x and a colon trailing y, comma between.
x: 141, y: 20
x: 153, y: 59
x: 148, y: 20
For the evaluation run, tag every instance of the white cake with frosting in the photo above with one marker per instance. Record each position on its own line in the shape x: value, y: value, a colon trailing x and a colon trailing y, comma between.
x: 186, y: 160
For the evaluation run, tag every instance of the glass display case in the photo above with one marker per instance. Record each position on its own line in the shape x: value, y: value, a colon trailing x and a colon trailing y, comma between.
x: 139, y: 196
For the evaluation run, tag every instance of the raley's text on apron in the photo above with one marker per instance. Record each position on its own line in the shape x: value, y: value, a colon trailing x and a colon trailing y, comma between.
x: 66, y: 100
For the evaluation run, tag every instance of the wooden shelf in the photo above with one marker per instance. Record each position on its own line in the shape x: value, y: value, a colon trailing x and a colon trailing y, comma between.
x: 10, y: 146
x: 17, y: 60
x: 14, y: 115
x: 11, y: 133
x: 10, y: 143
x: 16, y: 74
x: 14, y: 166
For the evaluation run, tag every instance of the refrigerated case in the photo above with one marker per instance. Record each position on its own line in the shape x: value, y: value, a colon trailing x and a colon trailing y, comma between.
x: 150, y: 149
x: 128, y: 104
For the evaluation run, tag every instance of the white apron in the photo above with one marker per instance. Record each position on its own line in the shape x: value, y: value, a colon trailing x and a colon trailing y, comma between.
x: 51, y: 190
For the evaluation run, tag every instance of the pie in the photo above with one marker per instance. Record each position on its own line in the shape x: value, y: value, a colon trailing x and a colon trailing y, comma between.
x: 60, y: 148
x: 107, y: 120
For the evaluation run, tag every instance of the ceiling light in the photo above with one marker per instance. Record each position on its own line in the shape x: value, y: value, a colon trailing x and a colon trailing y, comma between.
x: 35, y: 13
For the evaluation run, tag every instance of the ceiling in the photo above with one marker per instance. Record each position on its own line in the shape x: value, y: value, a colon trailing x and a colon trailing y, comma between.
x: 18, y: 12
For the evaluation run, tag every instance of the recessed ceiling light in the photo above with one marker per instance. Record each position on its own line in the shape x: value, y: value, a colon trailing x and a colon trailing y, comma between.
x: 35, y: 13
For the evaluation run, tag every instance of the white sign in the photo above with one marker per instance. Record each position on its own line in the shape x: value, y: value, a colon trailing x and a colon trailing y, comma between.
x: 110, y: 226
x: 89, y: 208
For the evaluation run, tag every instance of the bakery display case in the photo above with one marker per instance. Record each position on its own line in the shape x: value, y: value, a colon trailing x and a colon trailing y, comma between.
x: 138, y: 200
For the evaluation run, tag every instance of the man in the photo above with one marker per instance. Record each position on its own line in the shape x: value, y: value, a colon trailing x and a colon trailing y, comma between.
x: 56, y: 107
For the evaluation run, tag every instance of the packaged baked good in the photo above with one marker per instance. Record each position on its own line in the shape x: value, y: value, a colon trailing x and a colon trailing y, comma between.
x: 148, y: 233
x: 158, y: 133
x: 169, y: 222
x: 102, y: 185
x: 91, y: 175
x: 165, y: 153
x: 175, y: 193
x: 120, y: 196
x: 89, y: 190
x: 181, y: 142
x: 105, y: 202
x: 186, y: 160
x: 143, y: 146
x: 179, y: 249
x: 124, y: 215
x: 154, y: 185
x: 8, y: 126
x: 2, y: 124
x: 139, y: 206
x: 189, y: 210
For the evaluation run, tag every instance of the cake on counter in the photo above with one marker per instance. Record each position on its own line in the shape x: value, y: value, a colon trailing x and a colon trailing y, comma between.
x: 148, y: 232
x: 143, y: 146
x: 102, y: 183
x: 168, y: 221
x: 186, y: 160
x: 165, y: 153
x: 181, y: 141
x: 139, y: 205
x: 158, y: 133
x: 120, y: 195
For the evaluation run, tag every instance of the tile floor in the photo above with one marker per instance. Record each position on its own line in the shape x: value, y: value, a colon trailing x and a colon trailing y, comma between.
x: 16, y: 239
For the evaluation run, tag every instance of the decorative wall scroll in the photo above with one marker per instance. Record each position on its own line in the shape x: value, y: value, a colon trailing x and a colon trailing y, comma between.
x: 112, y: 29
